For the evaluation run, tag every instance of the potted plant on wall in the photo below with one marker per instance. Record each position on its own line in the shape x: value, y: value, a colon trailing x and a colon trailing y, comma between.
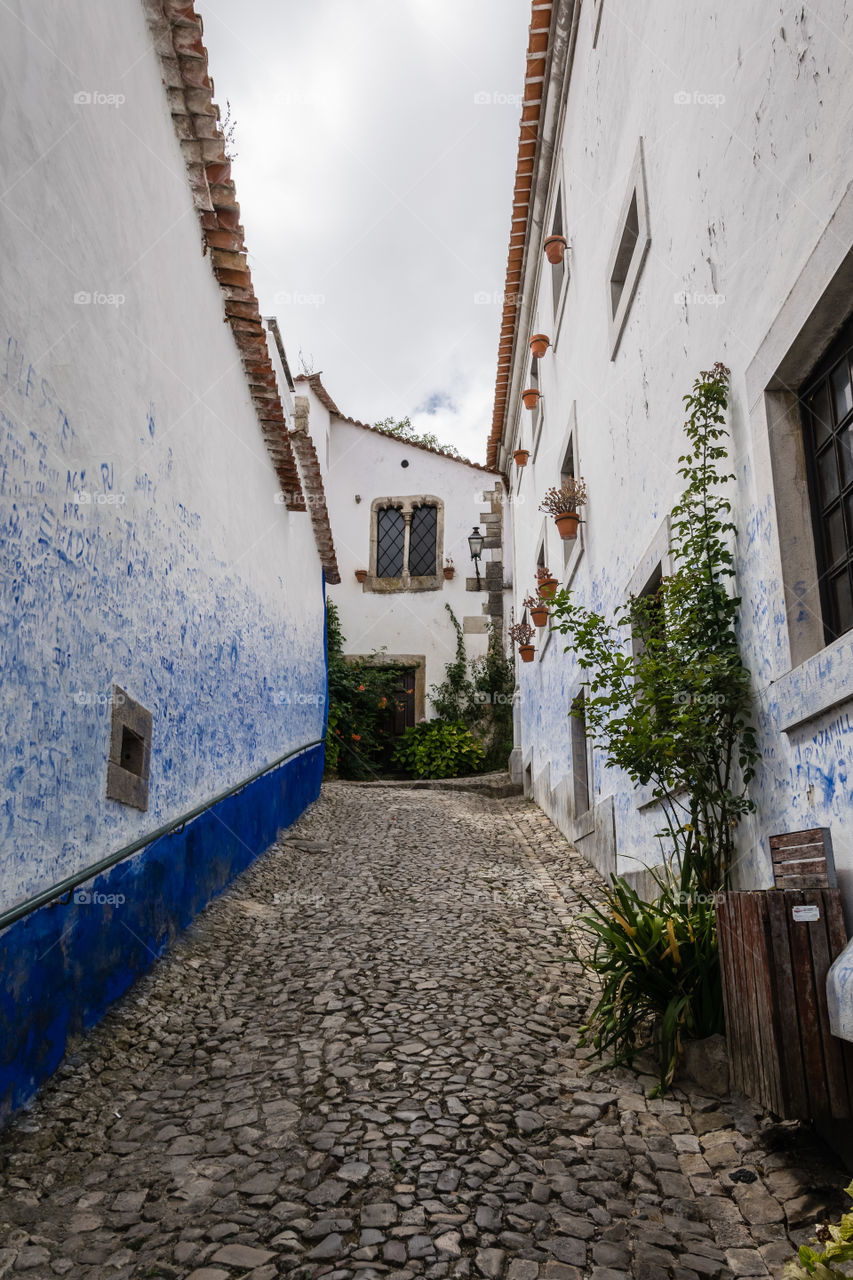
x: 539, y: 344
x: 538, y: 610
x: 449, y: 568
x: 555, y: 248
x: 520, y: 457
x: 361, y: 575
x: 546, y: 583
x: 563, y: 502
x: 521, y: 633
x: 530, y: 397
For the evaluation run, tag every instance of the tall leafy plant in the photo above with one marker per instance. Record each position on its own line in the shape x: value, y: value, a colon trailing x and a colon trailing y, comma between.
x: 361, y: 697
x: 673, y: 709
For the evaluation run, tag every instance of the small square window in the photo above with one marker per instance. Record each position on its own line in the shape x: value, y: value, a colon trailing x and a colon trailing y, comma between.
x: 129, y: 765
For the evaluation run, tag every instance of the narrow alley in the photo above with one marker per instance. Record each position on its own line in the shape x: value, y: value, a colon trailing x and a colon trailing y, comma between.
x: 362, y: 1059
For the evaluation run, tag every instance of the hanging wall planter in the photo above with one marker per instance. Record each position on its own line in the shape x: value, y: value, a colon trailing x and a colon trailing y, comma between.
x: 449, y: 571
x: 538, y: 611
x: 567, y: 525
x: 361, y: 575
x: 521, y: 633
x: 530, y: 398
x: 562, y: 502
x: 547, y: 584
x: 555, y: 248
x: 539, y: 344
x: 520, y: 457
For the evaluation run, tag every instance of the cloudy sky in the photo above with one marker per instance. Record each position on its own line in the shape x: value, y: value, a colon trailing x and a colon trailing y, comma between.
x: 375, y: 163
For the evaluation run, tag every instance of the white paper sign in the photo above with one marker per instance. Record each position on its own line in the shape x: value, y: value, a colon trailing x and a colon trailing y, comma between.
x: 805, y: 913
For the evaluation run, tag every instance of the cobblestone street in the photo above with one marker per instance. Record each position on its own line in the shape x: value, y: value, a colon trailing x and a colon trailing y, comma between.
x: 361, y: 1060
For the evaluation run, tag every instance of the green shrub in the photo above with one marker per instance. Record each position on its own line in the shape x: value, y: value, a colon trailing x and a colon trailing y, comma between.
x: 660, y: 969
x: 837, y: 1239
x: 436, y: 749
x: 361, y: 694
x: 478, y: 693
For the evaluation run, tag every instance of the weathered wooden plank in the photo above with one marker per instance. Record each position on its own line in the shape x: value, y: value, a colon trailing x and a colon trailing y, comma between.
x: 769, y: 1021
x: 815, y: 835
x: 752, y: 1053
x: 815, y: 881
x: 734, y: 1007
x: 752, y: 959
x: 741, y: 1022
x: 829, y: 902
x: 794, y: 1093
x: 806, y: 1009
x: 800, y: 867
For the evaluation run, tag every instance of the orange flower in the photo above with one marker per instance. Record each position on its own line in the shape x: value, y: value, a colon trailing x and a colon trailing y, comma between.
x: 356, y: 737
x: 361, y: 688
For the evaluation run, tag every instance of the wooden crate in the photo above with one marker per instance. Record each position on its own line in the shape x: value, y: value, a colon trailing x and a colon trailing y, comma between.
x: 776, y: 946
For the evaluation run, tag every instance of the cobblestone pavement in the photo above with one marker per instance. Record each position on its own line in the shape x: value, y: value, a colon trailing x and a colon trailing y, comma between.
x: 361, y: 1060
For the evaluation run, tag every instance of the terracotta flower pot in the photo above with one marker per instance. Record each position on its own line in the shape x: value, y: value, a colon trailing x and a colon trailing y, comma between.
x: 555, y: 247
x: 361, y: 575
x: 449, y: 571
x: 530, y: 398
x: 539, y: 344
x: 521, y: 456
x: 539, y: 615
x: 527, y: 651
x: 547, y: 588
x: 567, y: 524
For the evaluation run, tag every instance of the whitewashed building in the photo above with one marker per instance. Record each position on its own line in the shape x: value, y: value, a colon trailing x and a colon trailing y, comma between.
x: 696, y: 162
x: 162, y: 608
x: 401, y: 514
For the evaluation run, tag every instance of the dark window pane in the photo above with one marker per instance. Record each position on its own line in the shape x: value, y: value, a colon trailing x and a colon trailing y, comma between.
x: 842, y: 602
x: 848, y: 515
x: 842, y: 392
x: 821, y: 416
x: 422, y: 541
x: 580, y: 763
x: 836, y: 543
x: 390, y: 534
x: 845, y: 450
x: 828, y: 474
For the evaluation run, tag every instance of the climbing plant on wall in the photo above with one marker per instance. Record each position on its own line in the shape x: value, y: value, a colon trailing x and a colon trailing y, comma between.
x: 673, y: 708
x: 668, y: 701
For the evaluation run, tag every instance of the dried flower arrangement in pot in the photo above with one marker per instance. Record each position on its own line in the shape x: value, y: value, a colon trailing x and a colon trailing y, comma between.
x: 449, y: 568
x: 546, y: 583
x: 521, y: 633
x: 563, y: 502
x: 538, y: 610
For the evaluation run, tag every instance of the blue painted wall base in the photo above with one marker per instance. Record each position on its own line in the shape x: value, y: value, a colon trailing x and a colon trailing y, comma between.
x: 62, y: 966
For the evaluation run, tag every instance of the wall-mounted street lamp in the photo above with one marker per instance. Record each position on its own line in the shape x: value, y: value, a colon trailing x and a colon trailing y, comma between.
x: 475, y: 543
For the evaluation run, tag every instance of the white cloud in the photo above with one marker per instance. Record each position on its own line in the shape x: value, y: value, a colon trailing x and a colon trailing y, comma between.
x: 369, y: 177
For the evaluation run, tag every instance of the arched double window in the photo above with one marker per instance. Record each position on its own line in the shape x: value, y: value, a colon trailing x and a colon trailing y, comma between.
x: 406, y: 544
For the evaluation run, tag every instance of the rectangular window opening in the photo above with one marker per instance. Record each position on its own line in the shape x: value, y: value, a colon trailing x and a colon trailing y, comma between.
x: 580, y: 759
x: 132, y: 751
x: 826, y: 401
x: 624, y: 254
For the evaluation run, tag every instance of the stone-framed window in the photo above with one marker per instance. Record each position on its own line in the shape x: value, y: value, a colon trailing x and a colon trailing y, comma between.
x: 406, y: 544
x: 129, y: 765
x: 826, y: 400
x: 630, y: 248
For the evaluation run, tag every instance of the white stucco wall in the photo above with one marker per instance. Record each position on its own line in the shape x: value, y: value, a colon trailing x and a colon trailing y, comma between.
x: 369, y: 464
x: 742, y: 125
x: 178, y: 575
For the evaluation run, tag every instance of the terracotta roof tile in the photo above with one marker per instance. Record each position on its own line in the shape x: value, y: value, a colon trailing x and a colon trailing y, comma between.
x: 537, y: 47
x: 176, y: 31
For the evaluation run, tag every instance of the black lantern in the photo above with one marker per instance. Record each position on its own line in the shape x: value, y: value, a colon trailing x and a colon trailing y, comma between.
x: 475, y: 542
